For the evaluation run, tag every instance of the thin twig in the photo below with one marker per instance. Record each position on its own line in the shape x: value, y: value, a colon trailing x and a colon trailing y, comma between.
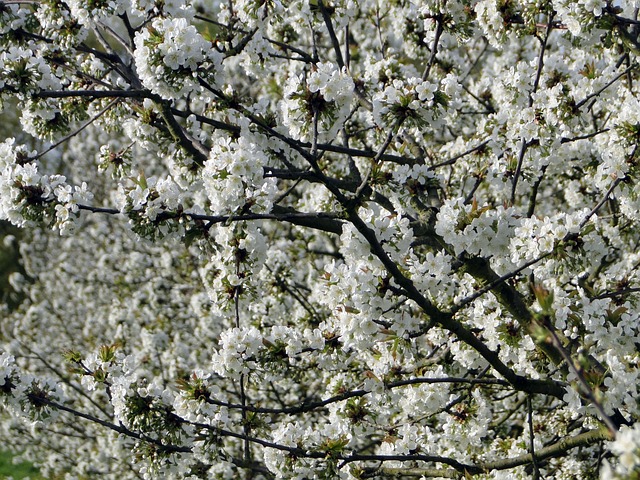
x: 324, y: 221
x: 243, y: 393
x: 434, y: 48
x: 588, y: 391
x: 453, y: 160
x: 534, y: 460
x: 500, y: 280
x: 599, y: 205
x: 76, y: 132
x: 332, y: 33
x: 536, y: 82
x: 607, y: 85
x: 534, y: 191
x: 376, y: 159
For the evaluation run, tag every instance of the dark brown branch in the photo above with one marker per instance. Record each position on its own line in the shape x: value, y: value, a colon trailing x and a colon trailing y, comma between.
x: 454, y: 159
x: 308, y: 407
x: 190, y: 145
x: 332, y: 34
x: 551, y: 451
x: 618, y: 293
x: 327, y: 222
x: 447, y: 321
x: 116, y: 428
x: 434, y: 48
x: 534, y: 191
x: 583, y: 137
x: 96, y: 94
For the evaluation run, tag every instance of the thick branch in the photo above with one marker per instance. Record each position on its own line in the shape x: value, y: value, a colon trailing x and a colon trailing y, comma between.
x: 449, y: 323
x: 510, y: 298
x: 192, y: 146
x: 556, y: 450
x: 327, y: 222
x: 140, y: 94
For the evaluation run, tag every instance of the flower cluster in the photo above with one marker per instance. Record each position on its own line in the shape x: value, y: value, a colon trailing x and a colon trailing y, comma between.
x: 231, y: 271
x: 414, y: 101
x: 322, y: 101
x: 626, y: 449
x: 89, y: 14
x: 255, y: 12
x: 22, y: 71
x: 477, y: 230
x: 29, y: 196
x: 26, y: 396
x: 152, y: 205
x: 234, y: 179
x: 537, y: 236
x: 171, y: 56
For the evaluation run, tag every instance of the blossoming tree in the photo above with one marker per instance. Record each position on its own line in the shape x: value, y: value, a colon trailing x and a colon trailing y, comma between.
x: 321, y: 239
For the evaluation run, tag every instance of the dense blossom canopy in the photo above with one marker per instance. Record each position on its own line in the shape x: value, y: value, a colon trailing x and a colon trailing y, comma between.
x: 321, y: 239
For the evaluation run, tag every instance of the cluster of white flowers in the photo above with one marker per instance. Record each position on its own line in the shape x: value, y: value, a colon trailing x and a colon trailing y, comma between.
x: 169, y: 8
x: 327, y: 93
x: 492, y: 21
x: 27, y: 195
x: 477, y: 230
x: 239, y: 254
x: 28, y: 397
x: 412, y: 100
x: 238, y: 349
x: 349, y: 287
x: 537, y: 236
x: 434, y: 274
x: 140, y: 129
x: 244, y: 351
x: 254, y: 13
x: 151, y: 202
x: 9, y: 376
x: 192, y: 405
x: 334, y: 85
x: 393, y: 230
x: 22, y: 71
x: 626, y: 448
x: 329, y: 438
x: 90, y: 13
x: 417, y: 102
x: 171, y: 54
x: 406, y: 174
x: 234, y: 179
x: 68, y: 198
x: 11, y: 18
x: 43, y: 119
x: 578, y: 16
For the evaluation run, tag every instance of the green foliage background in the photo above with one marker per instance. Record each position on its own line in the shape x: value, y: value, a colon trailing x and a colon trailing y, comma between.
x: 17, y: 472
